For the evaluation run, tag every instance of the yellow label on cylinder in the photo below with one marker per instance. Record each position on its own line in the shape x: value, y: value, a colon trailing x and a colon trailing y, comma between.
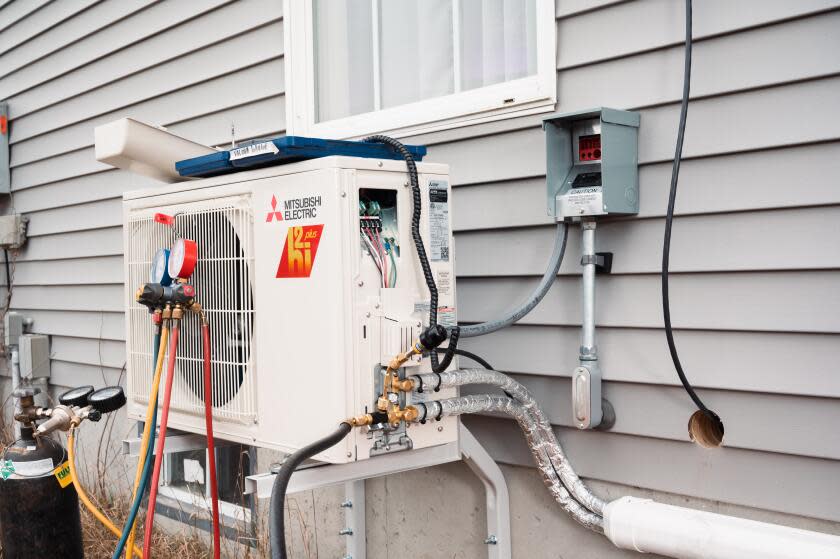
x: 62, y: 474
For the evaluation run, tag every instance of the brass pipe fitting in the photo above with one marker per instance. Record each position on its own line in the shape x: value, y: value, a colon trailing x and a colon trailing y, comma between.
x: 177, y: 313
x: 196, y: 308
x: 400, y: 359
x: 409, y: 414
x: 360, y: 420
x: 397, y: 385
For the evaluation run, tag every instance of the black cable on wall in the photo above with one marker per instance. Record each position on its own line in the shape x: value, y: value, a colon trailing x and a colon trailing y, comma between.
x: 666, y: 247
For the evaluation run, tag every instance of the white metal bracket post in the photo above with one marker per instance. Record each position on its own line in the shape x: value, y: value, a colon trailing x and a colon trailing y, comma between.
x: 467, y: 449
x: 355, y: 530
x: 498, y: 498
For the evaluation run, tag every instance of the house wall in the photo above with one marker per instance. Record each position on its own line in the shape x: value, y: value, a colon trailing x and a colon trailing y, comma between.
x: 754, y: 253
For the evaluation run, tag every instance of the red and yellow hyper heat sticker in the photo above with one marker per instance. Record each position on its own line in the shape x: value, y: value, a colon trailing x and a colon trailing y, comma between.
x: 299, y: 251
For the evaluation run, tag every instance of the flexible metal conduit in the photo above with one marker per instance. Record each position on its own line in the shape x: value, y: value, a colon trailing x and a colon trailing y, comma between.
x: 533, y: 300
x: 518, y: 392
x: 541, y: 449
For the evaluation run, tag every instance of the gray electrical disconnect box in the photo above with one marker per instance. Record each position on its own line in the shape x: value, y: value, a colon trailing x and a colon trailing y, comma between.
x: 592, y: 163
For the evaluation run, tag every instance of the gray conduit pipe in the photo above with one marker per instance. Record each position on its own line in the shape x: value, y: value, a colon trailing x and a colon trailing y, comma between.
x: 540, y: 448
x: 562, y: 466
x: 533, y: 300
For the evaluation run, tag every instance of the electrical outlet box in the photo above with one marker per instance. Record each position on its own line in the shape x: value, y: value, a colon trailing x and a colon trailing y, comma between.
x: 34, y: 351
x: 592, y: 163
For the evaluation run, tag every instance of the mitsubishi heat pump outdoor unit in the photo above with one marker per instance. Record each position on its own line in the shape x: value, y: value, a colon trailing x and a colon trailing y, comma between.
x: 303, y: 322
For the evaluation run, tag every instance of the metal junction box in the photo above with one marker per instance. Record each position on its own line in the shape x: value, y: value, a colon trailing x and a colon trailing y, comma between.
x: 592, y: 165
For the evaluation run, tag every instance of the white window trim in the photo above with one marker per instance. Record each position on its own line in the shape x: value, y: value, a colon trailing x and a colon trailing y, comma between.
x: 525, y: 96
x: 191, y: 503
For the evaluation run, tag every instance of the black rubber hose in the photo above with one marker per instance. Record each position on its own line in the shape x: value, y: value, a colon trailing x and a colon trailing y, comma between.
x: 669, y: 217
x: 415, y: 226
x: 469, y: 355
x: 276, y: 518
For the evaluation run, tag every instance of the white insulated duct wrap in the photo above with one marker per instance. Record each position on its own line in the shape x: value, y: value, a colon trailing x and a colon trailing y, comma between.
x: 650, y: 527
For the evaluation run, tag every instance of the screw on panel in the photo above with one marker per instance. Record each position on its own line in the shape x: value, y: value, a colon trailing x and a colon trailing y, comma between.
x: 440, y: 428
x: 361, y: 283
x: 491, y: 540
x: 405, y: 183
x: 349, y: 454
x: 343, y: 194
x: 345, y: 532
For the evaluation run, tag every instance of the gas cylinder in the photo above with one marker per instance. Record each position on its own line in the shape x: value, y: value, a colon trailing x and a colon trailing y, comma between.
x: 39, y: 508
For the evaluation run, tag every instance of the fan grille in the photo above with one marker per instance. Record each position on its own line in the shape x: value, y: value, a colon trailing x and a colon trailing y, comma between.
x: 222, y: 279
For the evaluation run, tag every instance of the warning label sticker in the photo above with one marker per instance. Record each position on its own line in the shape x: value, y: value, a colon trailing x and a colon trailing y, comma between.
x: 583, y: 201
x: 439, y: 221
x: 446, y: 315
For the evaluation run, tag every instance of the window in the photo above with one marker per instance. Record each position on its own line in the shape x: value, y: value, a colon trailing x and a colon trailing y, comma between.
x: 186, y: 485
x: 357, y: 67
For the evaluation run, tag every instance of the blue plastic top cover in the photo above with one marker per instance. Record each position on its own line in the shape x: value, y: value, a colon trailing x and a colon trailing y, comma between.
x: 286, y: 149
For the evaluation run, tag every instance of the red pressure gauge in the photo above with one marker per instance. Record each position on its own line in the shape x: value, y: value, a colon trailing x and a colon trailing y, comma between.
x: 182, y: 258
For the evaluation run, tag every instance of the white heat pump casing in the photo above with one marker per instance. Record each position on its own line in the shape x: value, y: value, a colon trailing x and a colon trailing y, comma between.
x: 294, y: 356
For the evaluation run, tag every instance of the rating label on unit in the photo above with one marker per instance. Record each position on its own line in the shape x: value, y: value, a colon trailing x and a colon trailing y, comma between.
x: 253, y: 150
x: 438, y: 221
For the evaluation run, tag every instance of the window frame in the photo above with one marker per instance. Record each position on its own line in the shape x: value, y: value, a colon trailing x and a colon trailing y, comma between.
x: 524, y: 96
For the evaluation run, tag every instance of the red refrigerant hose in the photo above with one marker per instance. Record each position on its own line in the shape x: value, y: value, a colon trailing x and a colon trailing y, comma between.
x: 208, y: 416
x: 167, y: 395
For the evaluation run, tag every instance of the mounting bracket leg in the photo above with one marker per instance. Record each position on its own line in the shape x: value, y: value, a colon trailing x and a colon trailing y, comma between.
x: 353, y: 475
x: 354, y: 515
x: 495, y: 487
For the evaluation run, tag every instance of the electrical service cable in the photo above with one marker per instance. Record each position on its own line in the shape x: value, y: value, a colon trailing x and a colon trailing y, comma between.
x: 276, y: 520
x: 534, y: 299
x: 164, y: 420
x: 469, y: 355
x: 211, y: 448
x: 669, y: 217
x: 74, y: 477
x: 146, y: 446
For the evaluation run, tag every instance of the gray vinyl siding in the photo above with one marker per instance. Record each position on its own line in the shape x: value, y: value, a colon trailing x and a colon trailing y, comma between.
x: 754, y: 253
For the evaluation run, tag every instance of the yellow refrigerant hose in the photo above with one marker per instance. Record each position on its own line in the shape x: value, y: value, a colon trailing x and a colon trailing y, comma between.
x: 147, y: 429
x: 71, y: 456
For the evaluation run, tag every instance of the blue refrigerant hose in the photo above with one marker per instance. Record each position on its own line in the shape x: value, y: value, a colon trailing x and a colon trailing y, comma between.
x: 147, y: 470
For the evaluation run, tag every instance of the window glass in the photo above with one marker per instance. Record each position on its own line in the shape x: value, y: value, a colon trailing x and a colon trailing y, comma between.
x: 378, y: 54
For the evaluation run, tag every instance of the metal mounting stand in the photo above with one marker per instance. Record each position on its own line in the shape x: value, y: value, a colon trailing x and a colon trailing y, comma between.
x: 353, y: 474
